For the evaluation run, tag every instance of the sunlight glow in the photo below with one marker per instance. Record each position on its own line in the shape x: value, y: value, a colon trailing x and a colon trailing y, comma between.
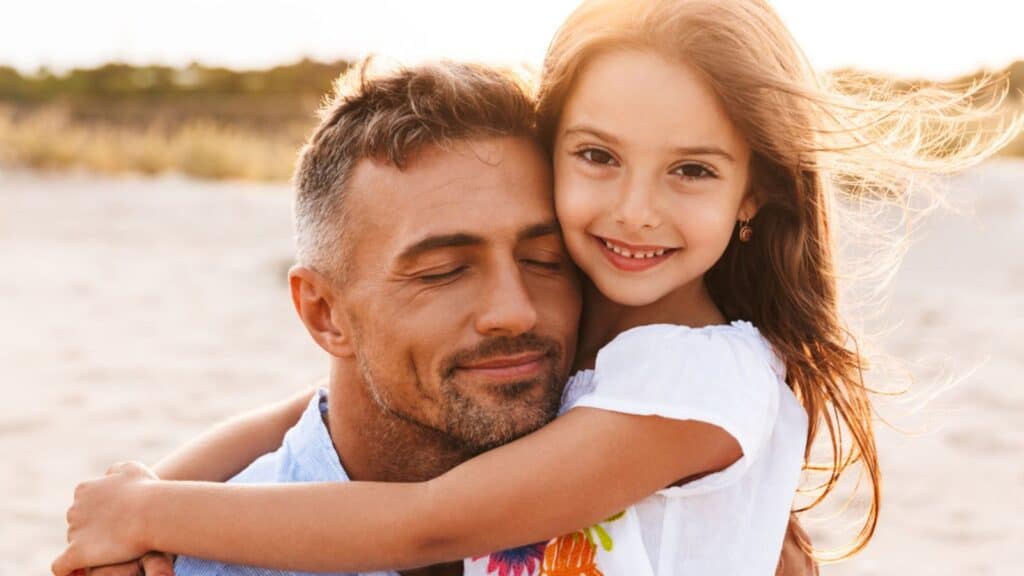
x: 910, y: 37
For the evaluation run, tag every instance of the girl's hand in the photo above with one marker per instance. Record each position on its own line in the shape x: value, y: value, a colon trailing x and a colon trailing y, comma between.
x: 103, y: 521
x: 152, y: 564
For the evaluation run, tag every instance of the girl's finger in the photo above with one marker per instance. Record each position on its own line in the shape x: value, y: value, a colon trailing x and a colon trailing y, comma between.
x: 126, y: 569
x: 157, y: 564
x: 64, y: 565
x: 117, y: 467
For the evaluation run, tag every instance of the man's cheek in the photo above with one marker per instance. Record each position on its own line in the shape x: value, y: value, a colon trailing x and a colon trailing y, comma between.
x: 562, y: 307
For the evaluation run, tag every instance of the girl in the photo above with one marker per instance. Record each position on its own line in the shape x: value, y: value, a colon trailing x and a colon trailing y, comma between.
x: 695, y: 158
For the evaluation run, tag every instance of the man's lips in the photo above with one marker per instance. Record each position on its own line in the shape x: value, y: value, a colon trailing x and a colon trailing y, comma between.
x: 514, y: 365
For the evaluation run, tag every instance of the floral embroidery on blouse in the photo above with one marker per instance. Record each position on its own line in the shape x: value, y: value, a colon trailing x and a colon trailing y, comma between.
x: 570, y: 555
x: 602, y: 535
x: 522, y: 561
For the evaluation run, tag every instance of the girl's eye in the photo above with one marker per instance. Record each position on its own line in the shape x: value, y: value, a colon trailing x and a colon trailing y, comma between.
x: 596, y: 156
x: 694, y: 171
x: 442, y: 276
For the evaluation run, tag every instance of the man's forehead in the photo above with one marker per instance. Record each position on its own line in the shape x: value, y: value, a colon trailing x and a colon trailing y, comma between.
x: 499, y: 211
x: 433, y: 166
x: 460, y: 237
x: 494, y: 188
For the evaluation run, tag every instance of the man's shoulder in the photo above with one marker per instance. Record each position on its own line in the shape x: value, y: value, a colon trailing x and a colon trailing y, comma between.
x: 189, y: 566
x: 307, y: 453
x: 276, y: 466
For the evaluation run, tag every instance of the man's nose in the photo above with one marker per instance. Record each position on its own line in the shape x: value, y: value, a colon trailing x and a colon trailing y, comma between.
x: 506, y: 308
x: 636, y: 207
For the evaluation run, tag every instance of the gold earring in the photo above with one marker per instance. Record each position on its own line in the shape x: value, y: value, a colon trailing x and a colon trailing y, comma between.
x: 746, y: 231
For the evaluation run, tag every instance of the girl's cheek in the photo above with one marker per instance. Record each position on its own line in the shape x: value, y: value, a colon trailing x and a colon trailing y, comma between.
x: 573, y: 205
x: 702, y: 225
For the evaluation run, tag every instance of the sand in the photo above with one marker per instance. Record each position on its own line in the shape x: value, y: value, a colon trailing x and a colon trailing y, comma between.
x: 135, y: 312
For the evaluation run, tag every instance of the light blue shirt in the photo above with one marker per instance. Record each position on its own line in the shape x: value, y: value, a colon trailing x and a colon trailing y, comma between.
x: 306, y: 455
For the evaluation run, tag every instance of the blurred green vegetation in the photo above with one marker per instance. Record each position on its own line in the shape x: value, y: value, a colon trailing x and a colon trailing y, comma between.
x: 204, y: 121
x: 117, y: 79
x: 124, y: 94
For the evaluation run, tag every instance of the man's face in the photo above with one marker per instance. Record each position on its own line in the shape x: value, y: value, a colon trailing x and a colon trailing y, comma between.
x: 461, y: 300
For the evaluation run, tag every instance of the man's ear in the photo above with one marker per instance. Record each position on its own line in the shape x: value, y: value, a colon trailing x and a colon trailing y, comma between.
x: 318, y: 304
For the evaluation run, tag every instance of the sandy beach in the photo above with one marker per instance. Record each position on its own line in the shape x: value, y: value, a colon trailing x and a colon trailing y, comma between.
x: 134, y: 313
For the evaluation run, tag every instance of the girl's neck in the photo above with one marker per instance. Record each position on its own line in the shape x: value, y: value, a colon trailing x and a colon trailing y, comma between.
x: 603, y: 319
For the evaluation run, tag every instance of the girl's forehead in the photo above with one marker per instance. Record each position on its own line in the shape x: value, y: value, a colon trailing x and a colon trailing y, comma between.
x: 643, y: 95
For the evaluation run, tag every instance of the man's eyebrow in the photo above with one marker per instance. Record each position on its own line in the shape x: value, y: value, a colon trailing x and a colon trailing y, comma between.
x: 680, y: 150
x: 538, y: 230
x: 435, y: 242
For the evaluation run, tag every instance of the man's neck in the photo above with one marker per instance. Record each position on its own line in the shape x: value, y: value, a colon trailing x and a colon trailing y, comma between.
x: 374, y: 444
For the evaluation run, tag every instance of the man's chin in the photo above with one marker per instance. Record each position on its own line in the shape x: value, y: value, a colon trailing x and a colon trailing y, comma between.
x: 496, y: 415
x: 522, y: 402
x: 501, y: 431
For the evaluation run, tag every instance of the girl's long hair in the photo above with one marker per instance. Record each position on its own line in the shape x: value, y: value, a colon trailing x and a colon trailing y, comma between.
x: 813, y: 138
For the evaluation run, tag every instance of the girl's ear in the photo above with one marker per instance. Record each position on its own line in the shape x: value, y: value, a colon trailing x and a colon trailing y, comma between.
x: 749, y: 206
x: 318, y: 303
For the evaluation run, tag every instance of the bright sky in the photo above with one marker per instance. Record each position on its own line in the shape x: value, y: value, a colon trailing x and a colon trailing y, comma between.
x: 937, y: 39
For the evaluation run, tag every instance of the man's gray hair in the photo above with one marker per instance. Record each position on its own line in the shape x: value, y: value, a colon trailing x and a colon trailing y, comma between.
x: 389, y: 116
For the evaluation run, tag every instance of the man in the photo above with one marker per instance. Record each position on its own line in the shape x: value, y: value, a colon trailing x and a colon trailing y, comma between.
x: 411, y: 181
x: 432, y: 271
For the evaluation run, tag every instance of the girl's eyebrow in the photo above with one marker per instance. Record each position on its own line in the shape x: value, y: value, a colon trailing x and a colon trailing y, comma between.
x: 703, y: 151
x: 680, y: 150
x: 590, y: 131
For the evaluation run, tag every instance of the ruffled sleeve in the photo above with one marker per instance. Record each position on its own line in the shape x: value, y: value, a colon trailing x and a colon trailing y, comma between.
x: 725, y: 375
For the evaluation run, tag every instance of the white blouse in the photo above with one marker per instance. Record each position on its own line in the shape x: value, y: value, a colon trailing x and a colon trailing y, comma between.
x: 726, y: 523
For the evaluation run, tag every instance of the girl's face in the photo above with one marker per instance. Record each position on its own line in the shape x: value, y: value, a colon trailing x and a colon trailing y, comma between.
x: 650, y: 176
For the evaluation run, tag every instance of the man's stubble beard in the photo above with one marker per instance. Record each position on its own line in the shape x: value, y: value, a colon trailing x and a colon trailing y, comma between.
x: 464, y: 424
x: 481, y: 429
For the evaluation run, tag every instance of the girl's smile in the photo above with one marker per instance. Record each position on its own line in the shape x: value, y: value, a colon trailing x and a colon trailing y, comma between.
x: 650, y: 179
x: 631, y: 257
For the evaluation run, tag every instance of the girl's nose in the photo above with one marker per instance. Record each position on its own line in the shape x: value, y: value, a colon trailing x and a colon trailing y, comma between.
x: 636, y: 207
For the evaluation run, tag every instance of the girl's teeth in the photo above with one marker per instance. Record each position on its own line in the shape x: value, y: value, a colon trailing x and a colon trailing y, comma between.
x: 628, y: 254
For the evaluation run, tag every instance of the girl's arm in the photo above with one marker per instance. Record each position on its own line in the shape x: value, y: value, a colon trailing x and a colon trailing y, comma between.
x: 580, y: 469
x: 227, y: 448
